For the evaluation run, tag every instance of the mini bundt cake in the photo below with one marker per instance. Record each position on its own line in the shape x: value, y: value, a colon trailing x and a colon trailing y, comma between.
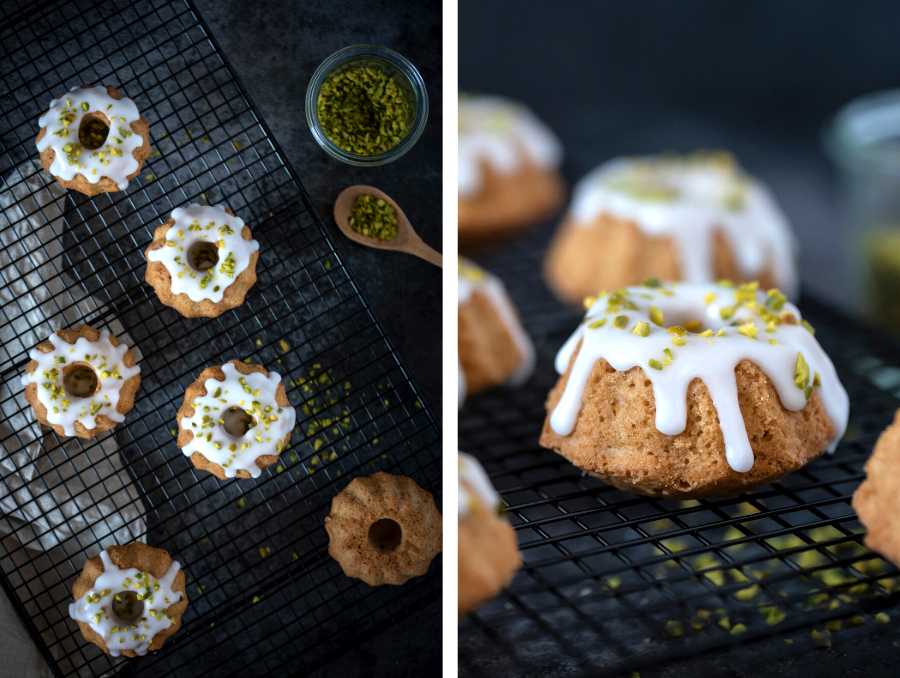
x: 384, y: 529
x: 235, y: 421
x: 81, y: 381
x: 508, y: 169
x: 488, y: 550
x: 877, y: 500
x: 493, y: 347
x: 129, y: 599
x: 93, y: 140
x: 693, y: 390
x: 697, y: 218
x: 202, y: 261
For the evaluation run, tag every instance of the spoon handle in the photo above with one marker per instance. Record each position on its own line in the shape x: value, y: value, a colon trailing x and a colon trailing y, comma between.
x: 418, y: 247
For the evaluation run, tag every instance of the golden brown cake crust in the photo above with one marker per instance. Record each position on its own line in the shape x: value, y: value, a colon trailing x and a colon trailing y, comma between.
x: 615, y: 437
x: 487, y: 351
x: 146, y: 559
x: 106, y: 185
x: 877, y: 500
x: 508, y: 203
x: 383, y: 496
x: 160, y: 279
x: 126, y: 393
x: 488, y: 557
x: 198, y: 390
x: 611, y: 253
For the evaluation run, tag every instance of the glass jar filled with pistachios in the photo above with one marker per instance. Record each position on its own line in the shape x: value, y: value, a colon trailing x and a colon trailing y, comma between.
x: 366, y: 105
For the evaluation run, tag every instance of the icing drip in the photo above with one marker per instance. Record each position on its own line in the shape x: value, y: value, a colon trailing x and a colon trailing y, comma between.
x: 112, y: 158
x: 106, y: 610
x: 475, y: 487
x: 645, y: 327
x: 688, y: 200
x: 196, y: 226
x: 252, y: 394
x: 502, y: 133
x: 474, y: 279
x: 58, y: 387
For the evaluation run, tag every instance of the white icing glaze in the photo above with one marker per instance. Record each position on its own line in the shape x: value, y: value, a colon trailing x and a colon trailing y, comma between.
x: 689, y: 199
x: 63, y: 408
x: 502, y: 133
x: 709, y: 358
x: 127, y: 632
x: 114, y: 159
x: 474, y: 486
x: 210, y: 224
x: 473, y: 278
x: 254, y: 394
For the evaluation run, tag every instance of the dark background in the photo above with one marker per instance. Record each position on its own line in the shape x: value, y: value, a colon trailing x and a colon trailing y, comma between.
x: 760, y: 78
x: 274, y: 47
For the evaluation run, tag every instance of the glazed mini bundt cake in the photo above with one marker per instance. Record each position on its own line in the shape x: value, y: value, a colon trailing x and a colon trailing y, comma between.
x: 129, y: 599
x: 493, y: 347
x: 488, y: 550
x: 508, y: 169
x: 93, y: 140
x: 693, y: 390
x: 235, y: 420
x: 384, y: 529
x: 696, y: 218
x: 202, y: 261
x: 877, y: 500
x: 81, y: 381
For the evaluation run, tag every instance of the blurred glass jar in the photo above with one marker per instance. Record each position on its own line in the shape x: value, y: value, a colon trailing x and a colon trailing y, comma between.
x: 864, y: 141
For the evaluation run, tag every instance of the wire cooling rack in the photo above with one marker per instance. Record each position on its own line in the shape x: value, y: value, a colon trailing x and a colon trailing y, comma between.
x: 613, y: 581
x: 265, y: 597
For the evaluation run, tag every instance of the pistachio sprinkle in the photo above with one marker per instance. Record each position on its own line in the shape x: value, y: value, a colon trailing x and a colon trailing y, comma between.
x: 374, y: 217
x: 363, y: 111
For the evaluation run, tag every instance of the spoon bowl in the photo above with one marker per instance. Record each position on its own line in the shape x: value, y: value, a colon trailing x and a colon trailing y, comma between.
x: 406, y: 240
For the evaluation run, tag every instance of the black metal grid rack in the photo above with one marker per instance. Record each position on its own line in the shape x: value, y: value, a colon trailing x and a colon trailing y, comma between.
x: 265, y: 597
x: 613, y: 581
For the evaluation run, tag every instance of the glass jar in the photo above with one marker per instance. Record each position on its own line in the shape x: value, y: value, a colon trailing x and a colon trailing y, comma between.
x: 391, y: 64
x: 864, y: 141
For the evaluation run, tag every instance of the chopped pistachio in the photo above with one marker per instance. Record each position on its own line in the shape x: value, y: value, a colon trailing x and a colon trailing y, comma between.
x: 801, y: 373
x: 655, y: 364
x: 656, y: 316
x: 641, y: 329
x: 620, y: 322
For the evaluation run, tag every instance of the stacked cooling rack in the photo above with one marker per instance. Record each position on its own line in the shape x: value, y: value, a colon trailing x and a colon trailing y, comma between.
x: 265, y: 597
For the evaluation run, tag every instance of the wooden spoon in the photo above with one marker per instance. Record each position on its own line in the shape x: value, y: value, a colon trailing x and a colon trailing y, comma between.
x: 406, y: 240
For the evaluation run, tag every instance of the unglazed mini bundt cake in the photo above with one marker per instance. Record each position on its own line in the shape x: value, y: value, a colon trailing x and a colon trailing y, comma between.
x: 508, y: 169
x: 93, y: 140
x: 81, y: 381
x: 384, y: 529
x: 235, y: 421
x: 493, y: 347
x: 202, y: 261
x: 696, y: 218
x: 693, y: 390
x: 877, y: 500
x: 488, y: 549
x: 129, y: 599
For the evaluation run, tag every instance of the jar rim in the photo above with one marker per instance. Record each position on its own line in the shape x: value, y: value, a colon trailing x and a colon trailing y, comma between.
x: 857, y: 135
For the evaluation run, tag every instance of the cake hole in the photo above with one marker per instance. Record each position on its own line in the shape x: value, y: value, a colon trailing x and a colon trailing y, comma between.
x: 80, y: 380
x: 128, y: 609
x: 93, y: 131
x: 202, y: 256
x: 237, y: 422
x: 385, y: 535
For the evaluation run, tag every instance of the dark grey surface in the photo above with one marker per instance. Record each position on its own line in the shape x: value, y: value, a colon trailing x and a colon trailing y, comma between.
x: 274, y: 47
